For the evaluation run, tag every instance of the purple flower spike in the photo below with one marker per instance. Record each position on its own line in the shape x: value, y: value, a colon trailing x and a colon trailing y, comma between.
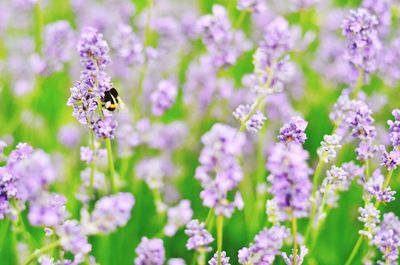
x: 294, y: 131
x: 111, y: 212
x: 224, y: 259
x: 150, y: 251
x: 266, y: 246
x: 359, y: 28
x: 163, y: 97
x: 290, y: 183
x: 199, y: 237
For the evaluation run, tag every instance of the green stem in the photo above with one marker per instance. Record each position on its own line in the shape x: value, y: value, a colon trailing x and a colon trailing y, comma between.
x: 39, y: 252
x: 143, y: 70
x: 359, y: 83
x: 385, y: 185
x: 220, y: 224
x: 260, y: 100
x: 111, y: 164
x: 294, y: 232
x: 316, y: 176
x: 92, y: 164
x: 240, y: 20
x: 354, y: 251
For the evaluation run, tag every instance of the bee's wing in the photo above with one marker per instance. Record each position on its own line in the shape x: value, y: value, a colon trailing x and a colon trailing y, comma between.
x: 121, y: 105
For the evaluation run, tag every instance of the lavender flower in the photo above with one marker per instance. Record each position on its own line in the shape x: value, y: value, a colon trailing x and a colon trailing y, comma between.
x: 177, y: 217
x: 256, y: 6
x: 381, y: 9
x: 105, y: 128
x: 93, y: 51
x: 111, y: 212
x: 269, y: 60
x: 266, y: 246
x: 59, y: 40
x: 69, y: 135
x: 369, y: 215
x: 300, y: 257
x: 150, y: 251
x: 359, y: 28
x: 154, y: 170
x: 163, y: 97
x: 254, y: 123
x: 219, y: 172
x: 199, y: 237
x: 176, y: 261
x: 127, y: 45
x: 337, y: 180
x: 223, y: 44
x: 289, y: 178
x: 224, y: 259
x: 390, y: 160
x: 387, y: 237
x: 48, y: 209
x: 327, y: 151
x: 374, y: 187
x: 72, y: 237
x: 294, y: 131
x: 394, y: 129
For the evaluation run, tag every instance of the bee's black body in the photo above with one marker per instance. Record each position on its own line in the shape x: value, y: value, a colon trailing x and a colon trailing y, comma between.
x: 110, y: 100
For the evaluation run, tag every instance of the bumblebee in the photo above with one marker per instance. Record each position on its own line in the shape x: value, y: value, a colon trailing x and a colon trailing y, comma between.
x: 111, y: 101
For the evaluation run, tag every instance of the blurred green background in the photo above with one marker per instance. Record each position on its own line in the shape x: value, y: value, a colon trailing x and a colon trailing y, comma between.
x: 338, y: 234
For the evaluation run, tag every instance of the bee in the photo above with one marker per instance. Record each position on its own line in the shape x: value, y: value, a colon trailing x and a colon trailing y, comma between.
x: 111, y: 101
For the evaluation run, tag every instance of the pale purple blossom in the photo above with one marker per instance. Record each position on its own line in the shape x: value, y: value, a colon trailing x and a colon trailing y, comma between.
x: 387, y: 237
x: 224, y: 259
x: 265, y: 248
x: 150, y: 251
x: 73, y: 238
x: 178, y: 216
x: 293, y: 131
x: 111, y: 212
x: 163, y: 97
x: 199, y: 237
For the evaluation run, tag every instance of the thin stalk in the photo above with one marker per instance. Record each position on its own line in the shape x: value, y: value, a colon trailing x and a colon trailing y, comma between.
x: 240, y: 20
x: 143, y: 70
x: 111, y: 167
x: 385, y: 185
x: 359, y: 83
x: 220, y: 224
x: 316, y: 176
x: 354, y: 251
x: 367, y: 169
x: 294, y: 232
x: 260, y: 100
x: 92, y: 164
x: 39, y: 252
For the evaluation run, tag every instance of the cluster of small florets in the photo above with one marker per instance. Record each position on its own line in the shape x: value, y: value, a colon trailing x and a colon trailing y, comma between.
x: 199, y: 237
x: 223, y: 43
x: 109, y: 213
x: 163, y: 97
x: 270, y: 58
x: 369, y: 215
x: 87, y: 93
x: 289, y: 178
x: 150, y: 251
x: 222, y: 145
x: 256, y: 6
x: 359, y: 28
x: 266, y: 246
x: 224, y: 259
x: 254, y: 122
x: 329, y: 147
x: 178, y: 216
x: 387, y: 237
x: 374, y: 187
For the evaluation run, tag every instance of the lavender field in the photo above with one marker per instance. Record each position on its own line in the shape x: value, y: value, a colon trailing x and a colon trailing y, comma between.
x: 199, y: 132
